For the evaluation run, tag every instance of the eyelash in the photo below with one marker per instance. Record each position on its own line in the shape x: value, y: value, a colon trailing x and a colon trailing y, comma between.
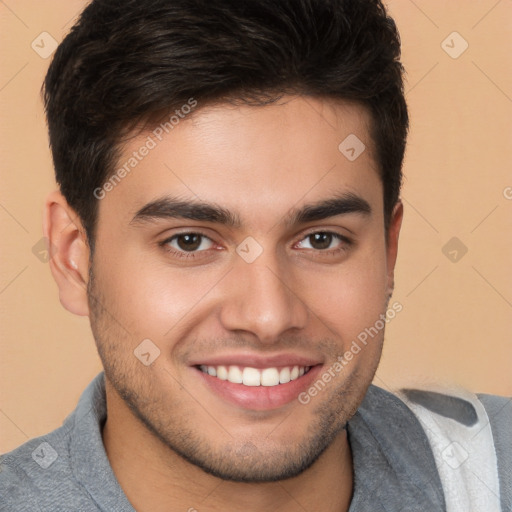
x: 346, y: 244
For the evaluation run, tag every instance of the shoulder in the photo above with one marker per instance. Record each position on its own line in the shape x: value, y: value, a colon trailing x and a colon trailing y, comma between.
x: 43, y: 473
x: 499, y: 411
x: 471, y: 439
x: 26, y: 480
x: 460, y: 406
x: 461, y: 441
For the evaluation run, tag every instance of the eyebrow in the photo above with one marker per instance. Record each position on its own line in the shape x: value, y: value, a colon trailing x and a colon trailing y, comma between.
x: 169, y: 207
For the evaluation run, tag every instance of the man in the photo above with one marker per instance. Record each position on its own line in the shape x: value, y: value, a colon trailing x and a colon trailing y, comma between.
x: 228, y: 217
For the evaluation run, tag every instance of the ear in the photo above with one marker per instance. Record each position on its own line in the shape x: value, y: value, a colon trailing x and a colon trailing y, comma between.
x: 69, y: 253
x: 393, y: 233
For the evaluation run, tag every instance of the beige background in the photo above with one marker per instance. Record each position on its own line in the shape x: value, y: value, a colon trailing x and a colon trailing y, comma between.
x: 455, y: 325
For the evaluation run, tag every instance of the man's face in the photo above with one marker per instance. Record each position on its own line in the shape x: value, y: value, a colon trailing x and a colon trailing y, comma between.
x: 270, y: 291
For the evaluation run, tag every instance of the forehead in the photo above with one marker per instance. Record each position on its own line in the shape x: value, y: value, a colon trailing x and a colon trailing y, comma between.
x: 250, y: 159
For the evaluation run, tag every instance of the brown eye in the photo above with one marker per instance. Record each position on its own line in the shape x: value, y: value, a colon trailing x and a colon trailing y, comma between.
x: 325, y: 241
x: 189, y: 242
x: 320, y: 240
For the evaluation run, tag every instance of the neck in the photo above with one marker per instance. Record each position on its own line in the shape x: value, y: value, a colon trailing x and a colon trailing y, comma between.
x: 156, y: 479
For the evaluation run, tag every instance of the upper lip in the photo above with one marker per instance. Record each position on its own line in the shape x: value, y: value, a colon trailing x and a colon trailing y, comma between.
x: 256, y: 360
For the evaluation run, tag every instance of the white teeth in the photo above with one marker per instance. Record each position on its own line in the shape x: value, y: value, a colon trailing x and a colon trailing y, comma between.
x: 222, y: 373
x: 235, y: 375
x: 249, y: 376
x: 284, y: 376
x: 270, y: 377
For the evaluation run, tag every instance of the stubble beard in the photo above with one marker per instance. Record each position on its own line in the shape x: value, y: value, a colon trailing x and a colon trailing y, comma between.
x: 236, y: 460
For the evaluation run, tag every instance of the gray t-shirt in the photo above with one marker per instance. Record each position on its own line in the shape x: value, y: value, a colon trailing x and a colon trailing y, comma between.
x: 68, y: 469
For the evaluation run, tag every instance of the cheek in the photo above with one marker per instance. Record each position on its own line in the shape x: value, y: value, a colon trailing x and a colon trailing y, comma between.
x: 149, y: 297
x: 350, y: 298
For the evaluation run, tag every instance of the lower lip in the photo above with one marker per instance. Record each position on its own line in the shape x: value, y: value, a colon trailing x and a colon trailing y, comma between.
x: 260, y: 398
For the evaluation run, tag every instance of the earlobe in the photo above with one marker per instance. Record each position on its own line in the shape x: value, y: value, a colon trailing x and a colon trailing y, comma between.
x: 393, y: 233
x: 69, y: 253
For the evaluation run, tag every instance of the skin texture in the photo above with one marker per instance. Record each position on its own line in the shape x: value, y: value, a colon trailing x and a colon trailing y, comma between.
x: 189, y: 447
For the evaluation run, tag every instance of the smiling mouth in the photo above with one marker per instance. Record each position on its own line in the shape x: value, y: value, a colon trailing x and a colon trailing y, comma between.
x: 254, y: 377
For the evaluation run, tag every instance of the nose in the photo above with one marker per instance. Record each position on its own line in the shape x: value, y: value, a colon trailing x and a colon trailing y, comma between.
x: 261, y: 299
